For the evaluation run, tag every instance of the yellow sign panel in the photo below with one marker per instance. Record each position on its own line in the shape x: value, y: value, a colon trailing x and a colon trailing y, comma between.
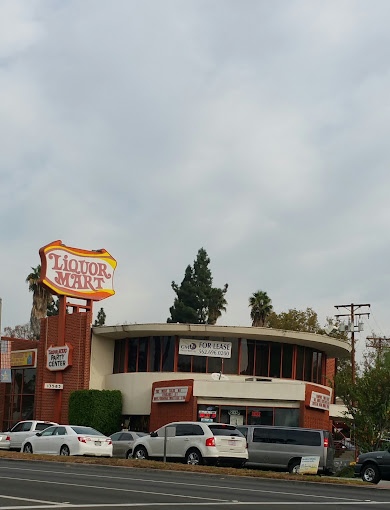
x: 23, y: 358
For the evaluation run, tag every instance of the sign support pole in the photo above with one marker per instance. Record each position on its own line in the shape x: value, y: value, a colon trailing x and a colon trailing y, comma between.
x: 61, y: 341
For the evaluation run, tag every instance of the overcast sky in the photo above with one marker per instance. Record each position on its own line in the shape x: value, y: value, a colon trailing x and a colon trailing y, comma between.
x: 258, y: 130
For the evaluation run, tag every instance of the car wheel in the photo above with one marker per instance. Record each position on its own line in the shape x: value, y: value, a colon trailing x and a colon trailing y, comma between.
x: 64, y: 450
x: 370, y: 473
x: 194, y: 457
x: 128, y: 454
x: 140, y: 453
x: 27, y: 448
x: 294, y: 466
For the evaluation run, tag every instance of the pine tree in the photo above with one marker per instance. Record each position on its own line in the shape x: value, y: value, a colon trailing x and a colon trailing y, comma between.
x: 197, y: 301
x: 101, y: 318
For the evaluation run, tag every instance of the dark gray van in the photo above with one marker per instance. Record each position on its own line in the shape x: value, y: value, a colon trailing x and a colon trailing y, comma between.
x: 283, y: 447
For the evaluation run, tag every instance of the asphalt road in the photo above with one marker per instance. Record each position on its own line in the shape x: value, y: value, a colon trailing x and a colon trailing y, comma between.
x: 42, y: 485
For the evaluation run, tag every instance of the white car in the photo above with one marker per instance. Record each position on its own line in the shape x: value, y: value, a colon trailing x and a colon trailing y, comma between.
x: 195, y: 443
x: 69, y: 440
x: 5, y: 441
x: 24, y: 429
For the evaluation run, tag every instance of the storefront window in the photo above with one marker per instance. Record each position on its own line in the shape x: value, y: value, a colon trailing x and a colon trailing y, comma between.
x: 287, y: 417
x: 308, y: 364
x: 315, y: 366
x: 247, y: 356
x: 199, y: 364
x: 300, y: 358
x: 184, y: 363
x: 287, y: 361
x: 19, y: 398
x: 155, y: 354
x: 168, y: 356
x: 143, y: 354
x: 208, y: 414
x: 260, y: 416
x: 132, y: 353
x: 276, y: 353
x: 230, y: 365
x: 214, y: 365
x: 233, y: 415
x: 320, y: 368
x: 262, y: 358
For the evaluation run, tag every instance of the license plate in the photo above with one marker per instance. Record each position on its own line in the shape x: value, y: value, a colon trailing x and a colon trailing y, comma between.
x: 231, y: 442
x: 98, y: 443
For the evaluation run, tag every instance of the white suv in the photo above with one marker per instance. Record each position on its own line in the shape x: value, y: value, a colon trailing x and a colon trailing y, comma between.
x: 195, y: 443
x: 24, y: 429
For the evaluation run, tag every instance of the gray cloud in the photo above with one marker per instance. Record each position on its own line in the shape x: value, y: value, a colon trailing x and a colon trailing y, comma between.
x: 257, y: 130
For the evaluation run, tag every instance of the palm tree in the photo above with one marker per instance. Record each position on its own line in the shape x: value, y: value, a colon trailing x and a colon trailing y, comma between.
x: 41, y: 299
x: 261, y: 307
x: 217, y: 304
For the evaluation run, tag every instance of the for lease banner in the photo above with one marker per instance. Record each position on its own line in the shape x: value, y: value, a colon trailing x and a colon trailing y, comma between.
x: 211, y: 348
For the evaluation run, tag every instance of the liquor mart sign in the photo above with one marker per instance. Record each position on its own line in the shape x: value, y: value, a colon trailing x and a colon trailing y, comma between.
x: 211, y: 348
x: 59, y: 357
x: 77, y: 273
x: 320, y: 400
x: 171, y: 394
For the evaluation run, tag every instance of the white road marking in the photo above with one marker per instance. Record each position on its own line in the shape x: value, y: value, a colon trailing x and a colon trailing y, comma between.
x: 197, y: 485
x: 109, y: 488
x: 223, y: 504
x: 29, y: 499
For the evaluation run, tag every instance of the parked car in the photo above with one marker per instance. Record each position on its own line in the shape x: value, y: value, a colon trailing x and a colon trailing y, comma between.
x: 195, y: 443
x: 24, y: 429
x: 283, y: 447
x: 122, y: 442
x: 373, y: 466
x: 69, y: 440
x: 4, y: 441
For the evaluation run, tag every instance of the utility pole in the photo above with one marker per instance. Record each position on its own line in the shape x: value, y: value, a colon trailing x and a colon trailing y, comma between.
x: 352, y: 314
x: 379, y: 343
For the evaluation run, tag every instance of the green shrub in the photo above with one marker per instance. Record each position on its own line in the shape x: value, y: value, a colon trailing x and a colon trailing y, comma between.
x: 100, y: 409
x: 346, y: 472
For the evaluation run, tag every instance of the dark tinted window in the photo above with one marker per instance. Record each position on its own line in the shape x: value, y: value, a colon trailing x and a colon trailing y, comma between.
x: 230, y: 365
x: 42, y: 426
x: 287, y: 360
x: 60, y: 431
x: 277, y: 436
x: 49, y: 431
x: 17, y: 428
x: 168, y: 354
x: 132, y: 353
x: 199, y: 364
x: 143, y: 355
x: 304, y: 437
x: 115, y: 437
x: 155, y: 354
x: 26, y: 426
x: 262, y: 358
x: 276, y: 354
x: 299, y: 371
x: 184, y: 363
x: 260, y: 435
x: 271, y: 435
x: 88, y: 431
x: 308, y: 364
x: 126, y: 436
x: 244, y: 431
x: 287, y: 417
x: 187, y: 429
x: 247, y: 357
x: 225, y: 430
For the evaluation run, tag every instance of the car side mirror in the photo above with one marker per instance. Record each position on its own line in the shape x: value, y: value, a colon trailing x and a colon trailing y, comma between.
x: 38, y: 434
x: 153, y: 434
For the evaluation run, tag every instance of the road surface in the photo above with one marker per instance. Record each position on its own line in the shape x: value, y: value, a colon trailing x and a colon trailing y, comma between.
x: 28, y: 485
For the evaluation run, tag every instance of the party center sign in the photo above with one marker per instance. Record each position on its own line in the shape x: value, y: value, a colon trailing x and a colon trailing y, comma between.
x: 211, y: 348
x: 58, y: 357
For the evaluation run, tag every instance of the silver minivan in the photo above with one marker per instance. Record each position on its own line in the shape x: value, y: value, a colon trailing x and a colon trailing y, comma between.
x: 283, y: 447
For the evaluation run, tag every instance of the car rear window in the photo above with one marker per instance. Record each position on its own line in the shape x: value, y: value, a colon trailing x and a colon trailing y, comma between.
x: 225, y: 430
x: 88, y: 431
x: 304, y: 437
x: 42, y: 426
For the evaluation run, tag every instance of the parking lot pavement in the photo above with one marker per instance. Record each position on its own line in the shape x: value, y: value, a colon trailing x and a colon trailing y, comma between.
x: 28, y: 485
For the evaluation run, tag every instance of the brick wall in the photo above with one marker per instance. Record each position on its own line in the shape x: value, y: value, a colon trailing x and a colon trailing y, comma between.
x: 75, y: 377
x: 166, y: 412
x: 311, y: 417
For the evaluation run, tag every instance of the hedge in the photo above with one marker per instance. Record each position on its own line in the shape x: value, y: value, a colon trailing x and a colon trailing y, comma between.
x: 100, y: 409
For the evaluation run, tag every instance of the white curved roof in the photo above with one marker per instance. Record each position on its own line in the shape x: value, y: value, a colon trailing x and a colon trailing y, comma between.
x: 332, y: 347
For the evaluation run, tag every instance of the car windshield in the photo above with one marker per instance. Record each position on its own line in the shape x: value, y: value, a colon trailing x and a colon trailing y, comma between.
x: 88, y: 431
x: 225, y: 430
